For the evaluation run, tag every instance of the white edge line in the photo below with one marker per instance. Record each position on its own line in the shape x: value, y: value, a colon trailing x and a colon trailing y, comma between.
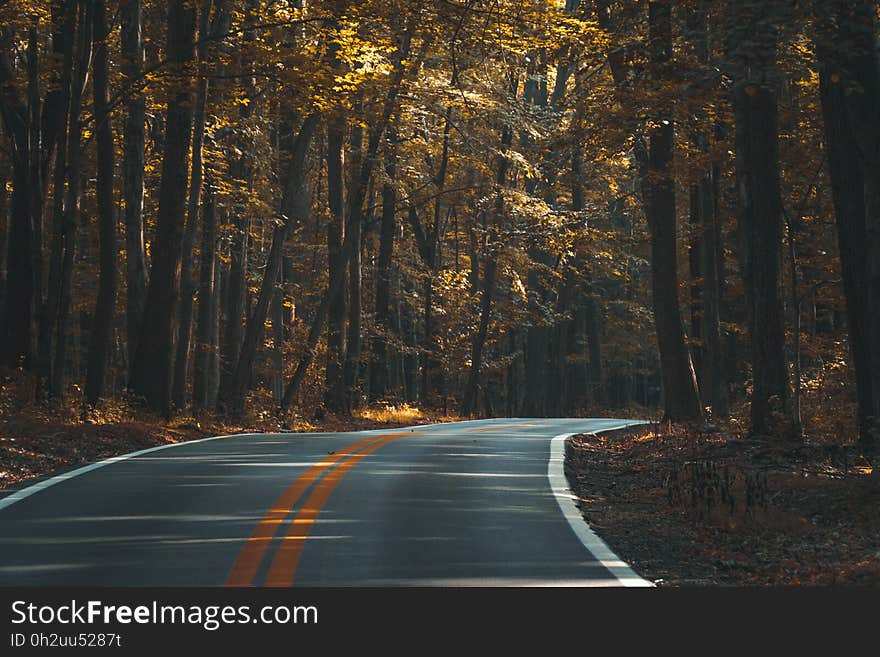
x: 618, y: 568
x: 24, y: 493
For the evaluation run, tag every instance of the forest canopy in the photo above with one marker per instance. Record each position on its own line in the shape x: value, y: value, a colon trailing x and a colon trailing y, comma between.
x: 527, y: 208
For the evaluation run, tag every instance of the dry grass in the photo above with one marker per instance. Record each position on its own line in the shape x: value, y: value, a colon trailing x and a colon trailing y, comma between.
x: 389, y: 413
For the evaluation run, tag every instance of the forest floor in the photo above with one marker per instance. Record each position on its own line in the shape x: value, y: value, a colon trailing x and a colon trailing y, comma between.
x: 40, y: 439
x: 687, y: 508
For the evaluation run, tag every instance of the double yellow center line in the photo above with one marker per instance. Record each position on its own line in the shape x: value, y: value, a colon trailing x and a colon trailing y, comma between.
x: 284, y: 565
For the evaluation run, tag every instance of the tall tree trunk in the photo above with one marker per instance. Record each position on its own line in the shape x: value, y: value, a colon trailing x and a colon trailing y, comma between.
x: 537, y: 343
x: 206, y: 326
x: 850, y: 93
x: 591, y: 331
x: 594, y: 347
x: 152, y: 368
x: 711, y: 253
x: 706, y: 253
x: 36, y: 185
x: 213, y: 333
x: 847, y: 183
x: 133, y: 173
x: 234, y: 292
x: 101, y: 338
x: 187, y: 275
x: 334, y: 397
x: 432, y: 255
x: 681, y: 397
x: 52, y: 131
x: 409, y: 364
x: 235, y: 278
x: 695, y: 267
x: 277, y: 354
x: 50, y: 309
x: 858, y: 28
x: 539, y: 338
x: 17, y: 337
x: 760, y: 214
x: 4, y: 237
x: 351, y: 369
x: 72, y: 202
x: 478, y: 343
x: 379, y: 369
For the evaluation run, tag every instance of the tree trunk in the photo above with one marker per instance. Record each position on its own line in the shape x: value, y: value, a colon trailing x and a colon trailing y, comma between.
x: 850, y: 144
x: 472, y: 389
x: 213, y: 375
x: 681, y: 397
x: 859, y: 28
x: 72, y: 202
x: 17, y: 338
x: 234, y: 292
x: 379, y: 370
x: 152, y: 368
x: 206, y: 326
x: 334, y: 397
x: 133, y: 173
x: 187, y: 279
x: 52, y: 131
x: 351, y: 370
x: 695, y: 266
x: 537, y: 343
x: 761, y: 232
x: 102, y: 331
x: 714, y: 386
x: 409, y: 361
x: 49, y: 311
x: 594, y: 347
x: 36, y: 185
x: 277, y: 354
x: 760, y: 217
x: 4, y: 238
x: 706, y: 253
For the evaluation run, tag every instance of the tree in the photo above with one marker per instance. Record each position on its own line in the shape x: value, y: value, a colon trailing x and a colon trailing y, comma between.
x: 850, y: 92
x: 152, y: 369
x: 681, y: 397
x: 752, y: 36
x: 348, y: 203
x: 101, y: 338
x: 133, y: 171
x: 19, y: 327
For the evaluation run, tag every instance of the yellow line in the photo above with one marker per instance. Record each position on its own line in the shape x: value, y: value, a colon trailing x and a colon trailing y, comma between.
x: 506, y: 426
x: 286, y: 560
x: 248, y: 562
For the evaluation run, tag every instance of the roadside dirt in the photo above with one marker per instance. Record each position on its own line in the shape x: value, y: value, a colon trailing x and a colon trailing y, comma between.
x: 693, y: 509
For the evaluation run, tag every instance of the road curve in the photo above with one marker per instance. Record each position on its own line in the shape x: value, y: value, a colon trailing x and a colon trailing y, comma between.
x: 479, y: 503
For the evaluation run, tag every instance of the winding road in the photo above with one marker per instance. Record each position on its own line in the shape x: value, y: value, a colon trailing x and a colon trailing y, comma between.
x: 479, y: 503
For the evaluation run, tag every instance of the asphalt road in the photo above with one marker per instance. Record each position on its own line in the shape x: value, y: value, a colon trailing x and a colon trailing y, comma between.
x: 480, y: 503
